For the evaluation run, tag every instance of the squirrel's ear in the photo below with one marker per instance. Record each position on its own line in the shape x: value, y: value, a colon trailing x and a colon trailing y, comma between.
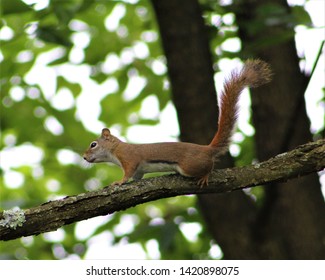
x: 106, y: 133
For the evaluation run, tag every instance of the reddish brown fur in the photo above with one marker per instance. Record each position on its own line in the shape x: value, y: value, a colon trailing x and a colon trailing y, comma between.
x: 188, y: 159
x: 253, y: 74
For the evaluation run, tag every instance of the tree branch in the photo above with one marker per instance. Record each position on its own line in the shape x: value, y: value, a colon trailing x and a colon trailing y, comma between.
x: 303, y: 160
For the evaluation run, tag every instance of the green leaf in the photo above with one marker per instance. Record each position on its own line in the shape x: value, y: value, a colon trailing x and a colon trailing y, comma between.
x: 301, y: 16
x: 52, y: 34
x: 13, y: 7
x: 74, y: 87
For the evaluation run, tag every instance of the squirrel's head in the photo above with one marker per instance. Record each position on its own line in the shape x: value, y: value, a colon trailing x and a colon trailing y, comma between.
x: 101, y: 150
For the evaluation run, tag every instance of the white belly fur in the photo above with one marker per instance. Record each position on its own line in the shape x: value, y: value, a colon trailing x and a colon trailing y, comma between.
x: 149, y: 167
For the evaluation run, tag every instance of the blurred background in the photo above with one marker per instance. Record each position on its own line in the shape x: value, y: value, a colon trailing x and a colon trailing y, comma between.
x: 149, y: 71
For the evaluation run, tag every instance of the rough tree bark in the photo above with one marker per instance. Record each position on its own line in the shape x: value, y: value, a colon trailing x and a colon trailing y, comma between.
x: 54, y: 214
x: 241, y: 236
x: 189, y: 62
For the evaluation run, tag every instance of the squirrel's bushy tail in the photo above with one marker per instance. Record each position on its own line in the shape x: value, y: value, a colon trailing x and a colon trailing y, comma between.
x: 253, y: 74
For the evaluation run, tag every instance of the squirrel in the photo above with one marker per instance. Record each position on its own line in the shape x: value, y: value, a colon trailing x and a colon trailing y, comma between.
x: 187, y: 159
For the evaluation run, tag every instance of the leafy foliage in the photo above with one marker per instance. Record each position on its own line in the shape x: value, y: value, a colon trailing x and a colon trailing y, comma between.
x: 116, y: 43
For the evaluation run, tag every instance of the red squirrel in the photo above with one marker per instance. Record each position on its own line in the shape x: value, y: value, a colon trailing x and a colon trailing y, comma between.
x: 188, y: 159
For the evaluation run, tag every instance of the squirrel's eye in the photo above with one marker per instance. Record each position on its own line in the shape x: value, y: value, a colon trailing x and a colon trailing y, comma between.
x: 93, y: 144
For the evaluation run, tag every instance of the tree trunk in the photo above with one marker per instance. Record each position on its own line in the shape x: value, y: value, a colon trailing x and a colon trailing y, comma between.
x: 189, y: 62
x: 291, y: 223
